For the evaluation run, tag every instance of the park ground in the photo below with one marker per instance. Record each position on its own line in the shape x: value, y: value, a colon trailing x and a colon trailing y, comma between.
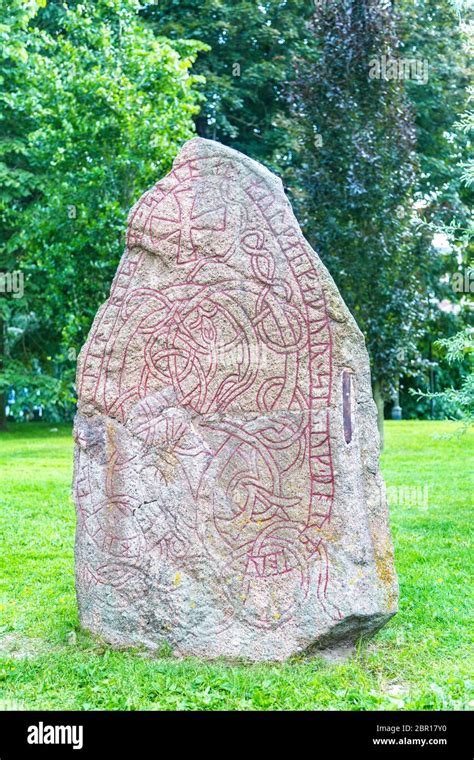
x: 422, y: 660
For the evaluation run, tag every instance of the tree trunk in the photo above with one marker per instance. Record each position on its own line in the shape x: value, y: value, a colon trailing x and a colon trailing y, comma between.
x: 379, y: 402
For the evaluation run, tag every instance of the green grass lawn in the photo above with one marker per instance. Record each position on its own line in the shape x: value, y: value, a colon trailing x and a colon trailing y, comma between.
x: 421, y: 660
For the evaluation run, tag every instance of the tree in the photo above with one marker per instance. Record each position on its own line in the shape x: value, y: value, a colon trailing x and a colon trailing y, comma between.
x: 97, y: 106
x: 460, y: 347
x: 17, y: 182
x: 289, y: 84
x: 250, y: 58
x: 355, y: 174
x: 434, y: 34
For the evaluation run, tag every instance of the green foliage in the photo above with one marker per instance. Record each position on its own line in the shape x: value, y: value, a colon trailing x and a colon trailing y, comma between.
x: 460, y: 400
x: 459, y: 345
x: 421, y: 660
x: 436, y: 32
x: 95, y: 107
x: 355, y: 171
x: 433, y: 31
x: 288, y: 83
x: 97, y: 97
x: 446, y: 161
x: 247, y: 67
x: 466, y: 126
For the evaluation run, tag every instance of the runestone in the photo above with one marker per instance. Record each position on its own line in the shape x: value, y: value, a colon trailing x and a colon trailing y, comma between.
x: 227, y: 486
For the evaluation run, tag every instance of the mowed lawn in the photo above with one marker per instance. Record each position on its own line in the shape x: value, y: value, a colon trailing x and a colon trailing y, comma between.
x: 422, y: 660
